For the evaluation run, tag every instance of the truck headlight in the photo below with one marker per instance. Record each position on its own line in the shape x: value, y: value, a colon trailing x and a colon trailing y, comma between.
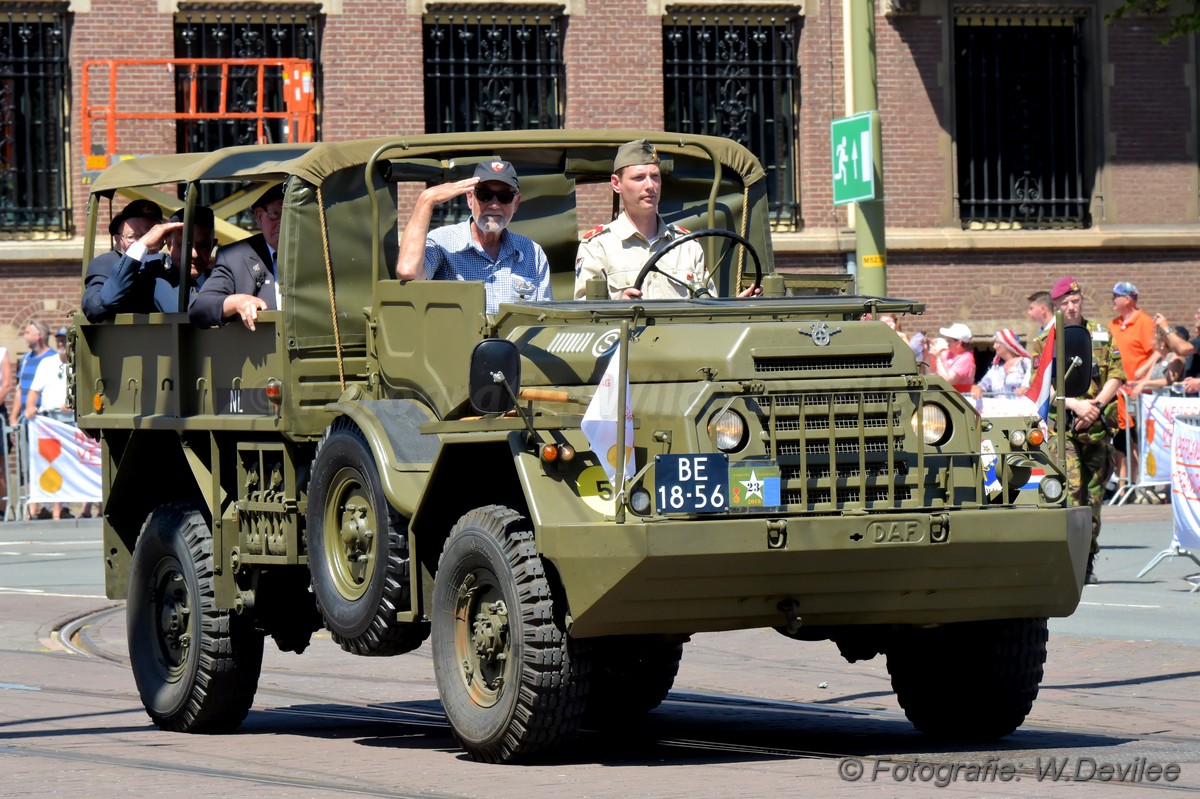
x: 932, y: 425
x: 1051, y: 488
x: 728, y: 431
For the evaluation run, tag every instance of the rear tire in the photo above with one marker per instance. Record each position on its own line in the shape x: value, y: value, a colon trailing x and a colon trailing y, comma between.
x: 357, y: 549
x: 973, y: 680
x: 631, y: 675
x: 512, y: 682
x: 196, y: 667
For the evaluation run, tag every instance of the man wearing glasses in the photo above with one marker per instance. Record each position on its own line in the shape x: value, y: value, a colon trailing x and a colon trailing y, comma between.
x: 143, y: 280
x: 510, y: 266
x: 244, y: 280
x: 105, y: 295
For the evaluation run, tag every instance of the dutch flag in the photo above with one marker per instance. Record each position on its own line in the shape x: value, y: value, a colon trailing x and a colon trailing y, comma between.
x: 1043, y: 381
x: 1035, y: 479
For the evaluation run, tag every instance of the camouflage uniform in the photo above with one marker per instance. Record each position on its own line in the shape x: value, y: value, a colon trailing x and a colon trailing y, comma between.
x: 1090, y: 452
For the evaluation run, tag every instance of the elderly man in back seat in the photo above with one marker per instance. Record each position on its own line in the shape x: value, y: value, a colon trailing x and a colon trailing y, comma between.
x: 510, y: 266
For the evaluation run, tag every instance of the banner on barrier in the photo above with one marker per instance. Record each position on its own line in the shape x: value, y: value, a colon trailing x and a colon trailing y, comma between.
x: 1156, y: 421
x: 1185, y: 481
x: 64, y: 464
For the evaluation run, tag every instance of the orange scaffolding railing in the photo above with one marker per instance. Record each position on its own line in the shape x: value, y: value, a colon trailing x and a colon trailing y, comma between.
x: 299, y: 112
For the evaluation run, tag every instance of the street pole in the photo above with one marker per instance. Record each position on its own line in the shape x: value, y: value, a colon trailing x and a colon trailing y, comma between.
x: 864, y: 96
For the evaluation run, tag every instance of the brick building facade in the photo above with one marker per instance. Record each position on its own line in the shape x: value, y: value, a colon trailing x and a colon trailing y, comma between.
x: 1134, y: 108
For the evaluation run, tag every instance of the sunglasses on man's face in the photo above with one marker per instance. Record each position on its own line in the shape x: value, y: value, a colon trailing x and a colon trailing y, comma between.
x: 503, y: 196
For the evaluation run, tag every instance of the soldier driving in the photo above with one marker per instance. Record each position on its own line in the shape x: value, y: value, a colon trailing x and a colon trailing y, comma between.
x: 618, y: 251
x: 1091, y: 417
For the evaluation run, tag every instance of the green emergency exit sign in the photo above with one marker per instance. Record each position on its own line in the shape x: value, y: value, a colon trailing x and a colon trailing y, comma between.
x: 854, y: 158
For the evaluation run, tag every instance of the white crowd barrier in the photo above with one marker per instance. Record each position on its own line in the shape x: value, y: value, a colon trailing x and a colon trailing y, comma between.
x: 1184, y: 478
x: 1156, y: 414
x: 64, y: 464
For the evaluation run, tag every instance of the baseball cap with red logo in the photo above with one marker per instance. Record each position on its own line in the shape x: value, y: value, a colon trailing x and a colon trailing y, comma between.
x: 497, y: 170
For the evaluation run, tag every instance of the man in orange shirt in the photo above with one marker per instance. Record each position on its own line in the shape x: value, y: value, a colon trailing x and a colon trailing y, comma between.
x: 1132, y: 332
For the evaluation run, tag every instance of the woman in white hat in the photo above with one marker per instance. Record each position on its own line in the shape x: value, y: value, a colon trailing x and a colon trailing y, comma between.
x: 957, y: 363
x: 1009, y: 372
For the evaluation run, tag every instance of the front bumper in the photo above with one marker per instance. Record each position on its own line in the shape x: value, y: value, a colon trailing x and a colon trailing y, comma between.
x: 727, y: 573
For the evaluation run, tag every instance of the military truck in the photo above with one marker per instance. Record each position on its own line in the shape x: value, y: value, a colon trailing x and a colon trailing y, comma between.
x: 389, y: 461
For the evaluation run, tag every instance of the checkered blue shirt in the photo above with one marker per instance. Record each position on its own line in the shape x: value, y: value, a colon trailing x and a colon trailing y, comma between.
x: 521, y: 272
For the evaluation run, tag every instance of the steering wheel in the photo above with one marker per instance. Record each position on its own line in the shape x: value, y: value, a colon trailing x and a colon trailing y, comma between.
x: 700, y: 288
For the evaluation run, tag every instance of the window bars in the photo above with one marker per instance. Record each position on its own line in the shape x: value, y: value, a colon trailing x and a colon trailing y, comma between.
x: 735, y: 75
x: 34, y: 103
x: 1019, y: 133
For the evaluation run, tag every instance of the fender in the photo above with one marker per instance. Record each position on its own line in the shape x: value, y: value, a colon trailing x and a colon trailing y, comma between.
x: 403, y: 454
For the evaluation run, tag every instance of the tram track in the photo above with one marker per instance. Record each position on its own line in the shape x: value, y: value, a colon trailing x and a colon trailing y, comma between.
x: 77, y: 636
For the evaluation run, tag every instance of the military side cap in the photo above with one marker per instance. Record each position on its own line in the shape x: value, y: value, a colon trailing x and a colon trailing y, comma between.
x: 138, y: 209
x: 269, y: 196
x: 1065, y: 286
x: 204, y: 216
x: 635, y: 153
x: 497, y: 170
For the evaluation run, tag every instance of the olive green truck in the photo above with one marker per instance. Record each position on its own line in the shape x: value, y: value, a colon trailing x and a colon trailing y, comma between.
x: 391, y: 462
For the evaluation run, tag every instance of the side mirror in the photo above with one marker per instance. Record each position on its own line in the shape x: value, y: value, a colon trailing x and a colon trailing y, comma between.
x: 1077, y: 346
x: 495, y: 376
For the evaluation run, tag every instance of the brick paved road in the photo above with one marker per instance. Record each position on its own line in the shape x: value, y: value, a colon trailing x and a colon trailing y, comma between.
x: 753, y: 713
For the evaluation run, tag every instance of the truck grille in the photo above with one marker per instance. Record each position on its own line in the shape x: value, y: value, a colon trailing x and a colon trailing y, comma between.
x: 846, y: 449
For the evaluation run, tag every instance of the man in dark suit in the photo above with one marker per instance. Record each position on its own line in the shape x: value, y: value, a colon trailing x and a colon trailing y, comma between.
x: 104, y: 295
x: 141, y: 279
x: 244, y: 279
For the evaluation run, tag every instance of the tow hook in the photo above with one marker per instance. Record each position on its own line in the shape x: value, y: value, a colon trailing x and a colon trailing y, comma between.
x: 939, y: 528
x: 777, y: 534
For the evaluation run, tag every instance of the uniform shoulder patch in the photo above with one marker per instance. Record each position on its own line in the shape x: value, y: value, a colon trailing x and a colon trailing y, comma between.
x: 593, y: 232
x: 681, y: 229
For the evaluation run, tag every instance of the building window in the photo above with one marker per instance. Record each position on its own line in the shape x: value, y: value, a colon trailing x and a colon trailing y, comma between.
x: 494, y: 72
x: 34, y: 103
x: 208, y: 32
x: 1019, y: 130
x: 735, y: 75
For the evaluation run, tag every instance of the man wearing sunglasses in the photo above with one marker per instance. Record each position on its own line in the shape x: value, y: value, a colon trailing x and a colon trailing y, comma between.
x: 510, y: 266
x: 618, y: 251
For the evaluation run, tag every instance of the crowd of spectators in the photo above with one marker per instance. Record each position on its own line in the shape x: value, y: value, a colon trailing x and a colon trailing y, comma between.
x: 1155, y: 356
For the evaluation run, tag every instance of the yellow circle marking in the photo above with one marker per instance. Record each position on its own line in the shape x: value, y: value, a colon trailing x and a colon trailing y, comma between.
x: 595, y: 490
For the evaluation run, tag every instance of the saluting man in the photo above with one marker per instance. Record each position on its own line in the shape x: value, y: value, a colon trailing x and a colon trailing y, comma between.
x: 618, y: 251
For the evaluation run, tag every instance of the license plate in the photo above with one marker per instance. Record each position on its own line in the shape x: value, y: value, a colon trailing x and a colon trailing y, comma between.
x: 691, y: 483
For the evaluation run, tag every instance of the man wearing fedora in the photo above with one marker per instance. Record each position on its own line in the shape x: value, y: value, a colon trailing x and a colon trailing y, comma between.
x: 1087, y: 432
x: 482, y: 248
x: 113, y: 282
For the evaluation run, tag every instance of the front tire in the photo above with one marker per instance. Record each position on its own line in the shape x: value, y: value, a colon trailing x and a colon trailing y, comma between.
x: 512, y: 682
x: 973, y: 680
x: 357, y: 549
x: 196, y: 666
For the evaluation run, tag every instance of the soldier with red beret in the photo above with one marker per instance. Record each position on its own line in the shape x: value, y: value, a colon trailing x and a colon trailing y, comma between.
x: 1091, y: 418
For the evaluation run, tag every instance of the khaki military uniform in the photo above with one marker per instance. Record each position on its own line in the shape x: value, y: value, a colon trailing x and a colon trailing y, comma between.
x: 1089, y: 453
x: 618, y: 251
x: 1038, y: 344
